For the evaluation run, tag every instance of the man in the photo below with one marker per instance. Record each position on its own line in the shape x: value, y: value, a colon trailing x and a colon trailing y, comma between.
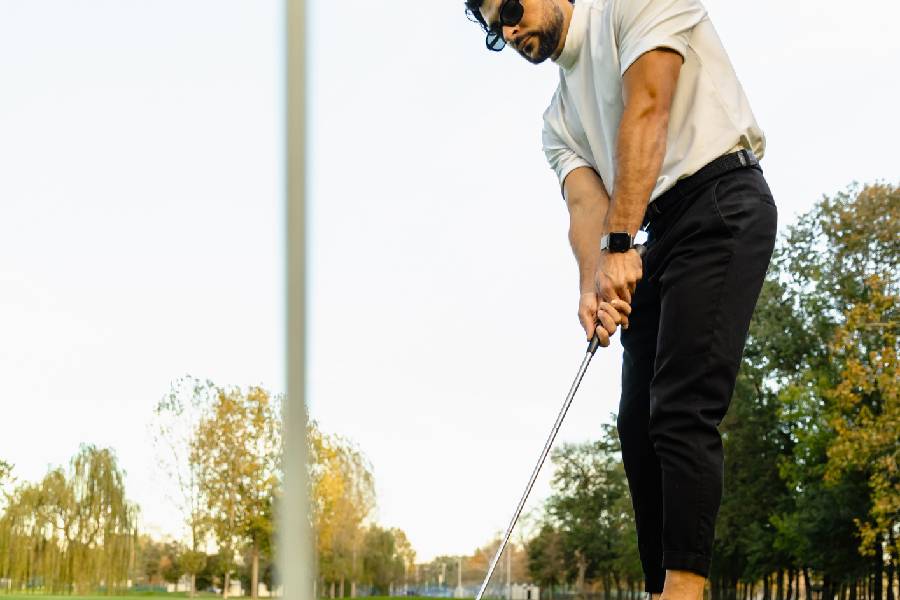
x: 650, y: 129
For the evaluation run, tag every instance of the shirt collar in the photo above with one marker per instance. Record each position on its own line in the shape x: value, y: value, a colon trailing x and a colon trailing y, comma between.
x: 574, y: 36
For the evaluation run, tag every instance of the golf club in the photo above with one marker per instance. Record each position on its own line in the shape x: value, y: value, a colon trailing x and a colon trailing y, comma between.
x: 592, y: 347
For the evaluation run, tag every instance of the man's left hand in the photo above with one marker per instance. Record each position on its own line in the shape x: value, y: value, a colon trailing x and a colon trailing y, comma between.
x: 617, y: 275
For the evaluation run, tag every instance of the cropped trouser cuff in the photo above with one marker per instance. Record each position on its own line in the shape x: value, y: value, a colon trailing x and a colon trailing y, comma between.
x: 686, y: 561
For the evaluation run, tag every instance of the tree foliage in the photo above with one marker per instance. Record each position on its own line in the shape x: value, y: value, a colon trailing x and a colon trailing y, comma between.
x: 342, y: 496
x: 237, y: 450
x: 71, y: 531
x: 812, y: 485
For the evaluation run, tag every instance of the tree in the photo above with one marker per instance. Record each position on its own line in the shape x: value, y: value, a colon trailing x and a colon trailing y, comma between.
x: 70, y: 533
x: 382, y: 564
x: 5, y: 472
x: 405, y: 551
x: 826, y: 266
x: 864, y: 408
x: 176, y: 419
x: 237, y: 450
x: 589, y: 508
x: 342, y: 495
x: 546, y: 559
x: 170, y: 566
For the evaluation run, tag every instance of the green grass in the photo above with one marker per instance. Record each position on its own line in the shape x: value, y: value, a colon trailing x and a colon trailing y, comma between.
x: 127, y: 596
x: 19, y: 596
x: 130, y: 596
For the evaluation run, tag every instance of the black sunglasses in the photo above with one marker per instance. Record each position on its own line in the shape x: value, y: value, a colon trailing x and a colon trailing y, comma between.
x: 511, y: 12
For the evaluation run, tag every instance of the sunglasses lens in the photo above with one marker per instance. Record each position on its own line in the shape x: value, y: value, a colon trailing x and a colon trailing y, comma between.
x: 495, y: 41
x: 511, y: 13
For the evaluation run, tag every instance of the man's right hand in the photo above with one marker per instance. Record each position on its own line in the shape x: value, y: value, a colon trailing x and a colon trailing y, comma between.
x: 602, y: 318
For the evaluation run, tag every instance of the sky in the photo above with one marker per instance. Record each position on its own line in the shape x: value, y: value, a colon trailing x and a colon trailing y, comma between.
x: 142, y: 229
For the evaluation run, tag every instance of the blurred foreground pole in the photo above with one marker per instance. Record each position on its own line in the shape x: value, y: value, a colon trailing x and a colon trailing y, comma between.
x: 294, y: 539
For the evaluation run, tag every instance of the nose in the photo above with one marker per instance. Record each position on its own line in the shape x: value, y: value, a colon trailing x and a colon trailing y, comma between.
x: 510, y: 32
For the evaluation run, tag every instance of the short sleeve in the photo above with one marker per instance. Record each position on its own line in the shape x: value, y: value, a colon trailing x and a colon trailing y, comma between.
x: 643, y: 25
x: 558, y: 143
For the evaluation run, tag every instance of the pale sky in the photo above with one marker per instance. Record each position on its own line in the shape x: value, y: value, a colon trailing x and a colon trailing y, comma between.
x: 141, y: 227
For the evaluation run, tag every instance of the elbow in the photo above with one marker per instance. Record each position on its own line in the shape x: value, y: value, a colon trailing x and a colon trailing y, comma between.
x: 651, y: 111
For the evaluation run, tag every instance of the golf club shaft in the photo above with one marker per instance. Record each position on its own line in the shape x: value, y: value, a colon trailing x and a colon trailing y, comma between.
x: 592, y: 347
x: 537, y: 468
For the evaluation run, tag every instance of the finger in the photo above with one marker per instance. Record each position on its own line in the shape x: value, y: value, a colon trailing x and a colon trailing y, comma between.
x: 618, y: 310
x: 607, y: 321
x: 624, y: 310
x: 587, y: 323
x: 603, y: 336
x: 621, y: 306
x: 610, y: 310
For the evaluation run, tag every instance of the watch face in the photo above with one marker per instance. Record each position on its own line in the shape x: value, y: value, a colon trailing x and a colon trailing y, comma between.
x: 619, y: 242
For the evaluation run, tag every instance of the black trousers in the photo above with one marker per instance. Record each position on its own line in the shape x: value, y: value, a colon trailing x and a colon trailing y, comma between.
x: 706, y: 259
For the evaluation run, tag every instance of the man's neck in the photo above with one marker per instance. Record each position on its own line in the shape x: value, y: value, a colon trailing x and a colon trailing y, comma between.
x: 567, y: 8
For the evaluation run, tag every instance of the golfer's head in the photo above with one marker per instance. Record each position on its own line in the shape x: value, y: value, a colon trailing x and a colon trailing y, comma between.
x: 533, y: 28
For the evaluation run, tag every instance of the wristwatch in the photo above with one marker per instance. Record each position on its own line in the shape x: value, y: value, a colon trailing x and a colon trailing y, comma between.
x: 617, y: 241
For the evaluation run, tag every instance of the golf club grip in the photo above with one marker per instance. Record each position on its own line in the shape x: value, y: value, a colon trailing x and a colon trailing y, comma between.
x: 595, y: 341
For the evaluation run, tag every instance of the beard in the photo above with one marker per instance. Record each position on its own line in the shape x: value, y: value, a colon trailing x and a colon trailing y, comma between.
x: 548, y: 36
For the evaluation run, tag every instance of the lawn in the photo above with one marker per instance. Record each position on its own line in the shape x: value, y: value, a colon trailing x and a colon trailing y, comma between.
x: 134, y: 595
x: 130, y: 596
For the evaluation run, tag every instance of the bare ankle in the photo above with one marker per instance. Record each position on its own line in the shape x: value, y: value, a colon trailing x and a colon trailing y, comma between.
x: 683, y: 585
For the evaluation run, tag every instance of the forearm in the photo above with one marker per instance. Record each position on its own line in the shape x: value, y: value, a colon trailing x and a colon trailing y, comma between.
x: 588, y: 202
x: 640, y: 149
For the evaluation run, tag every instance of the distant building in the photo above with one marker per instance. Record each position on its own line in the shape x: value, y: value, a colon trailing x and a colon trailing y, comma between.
x: 525, y: 591
x: 183, y: 585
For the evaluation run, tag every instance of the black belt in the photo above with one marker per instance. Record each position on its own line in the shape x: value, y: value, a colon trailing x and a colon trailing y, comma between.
x: 683, y: 187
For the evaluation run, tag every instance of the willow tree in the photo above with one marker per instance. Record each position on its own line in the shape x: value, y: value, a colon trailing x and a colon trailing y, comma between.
x: 71, y: 533
x: 237, y: 451
x: 101, y: 531
x: 176, y: 420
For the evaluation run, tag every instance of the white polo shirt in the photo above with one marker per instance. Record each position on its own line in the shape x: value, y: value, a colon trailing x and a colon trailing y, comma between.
x: 709, y: 116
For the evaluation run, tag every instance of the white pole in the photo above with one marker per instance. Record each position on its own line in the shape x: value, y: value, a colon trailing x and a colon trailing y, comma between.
x: 293, y: 525
x: 508, y: 573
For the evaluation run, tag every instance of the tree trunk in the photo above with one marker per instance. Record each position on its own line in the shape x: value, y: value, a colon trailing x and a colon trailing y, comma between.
x: 226, y: 586
x: 890, y: 567
x: 254, y: 574
x: 779, y: 585
x: 806, y: 584
x: 853, y: 584
x: 353, y: 589
x: 879, y: 568
x: 341, y: 588
x: 193, y: 585
x: 582, y: 568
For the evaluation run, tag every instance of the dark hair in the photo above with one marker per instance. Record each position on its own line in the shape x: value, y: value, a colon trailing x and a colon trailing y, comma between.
x: 473, y: 11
